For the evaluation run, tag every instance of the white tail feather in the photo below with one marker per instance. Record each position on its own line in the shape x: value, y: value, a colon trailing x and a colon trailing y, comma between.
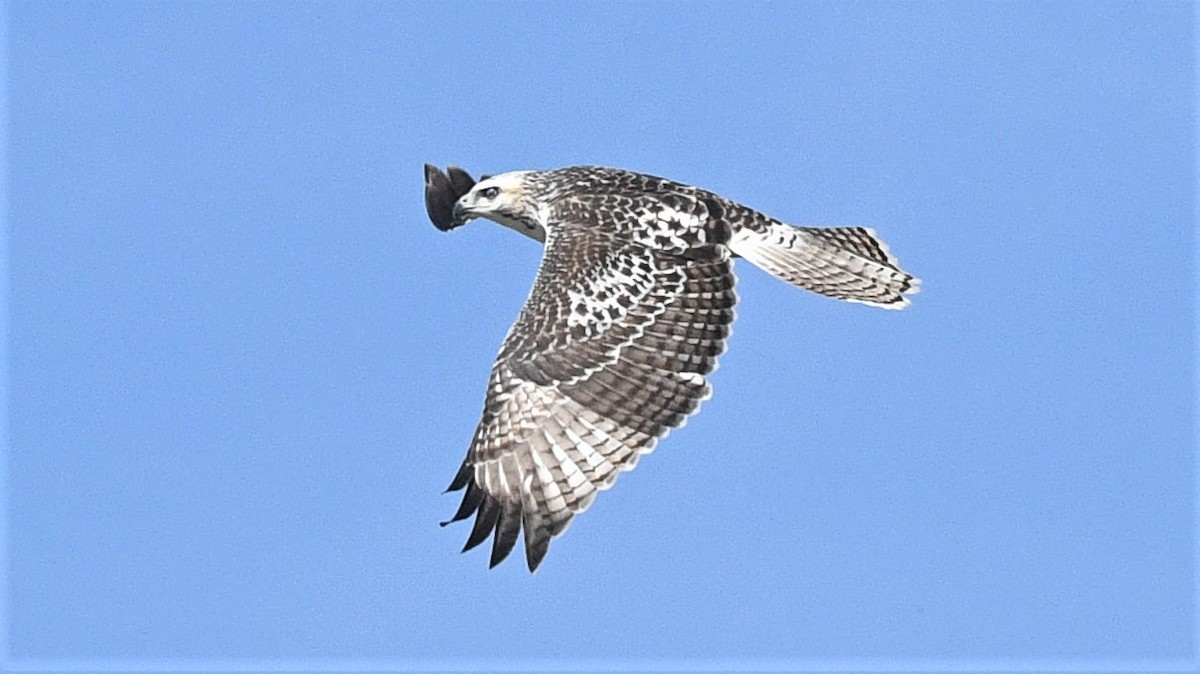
x: 848, y: 263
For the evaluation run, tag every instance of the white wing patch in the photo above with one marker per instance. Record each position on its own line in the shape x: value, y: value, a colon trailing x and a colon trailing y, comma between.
x: 601, y: 301
x: 671, y: 229
x: 594, y: 315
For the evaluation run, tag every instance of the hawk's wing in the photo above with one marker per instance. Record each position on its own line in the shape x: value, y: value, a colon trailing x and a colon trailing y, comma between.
x: 608, y: 355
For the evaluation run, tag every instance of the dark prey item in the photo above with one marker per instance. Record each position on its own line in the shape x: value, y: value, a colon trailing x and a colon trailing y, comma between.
x: 441, y: 191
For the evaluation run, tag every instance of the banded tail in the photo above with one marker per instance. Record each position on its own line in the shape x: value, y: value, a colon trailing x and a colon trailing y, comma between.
x: 848, y: 263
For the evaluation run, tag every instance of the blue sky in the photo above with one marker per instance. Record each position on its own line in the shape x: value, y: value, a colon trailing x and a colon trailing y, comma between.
x: 243, y: 365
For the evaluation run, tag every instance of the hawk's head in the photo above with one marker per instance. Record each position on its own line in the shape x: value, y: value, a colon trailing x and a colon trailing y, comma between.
x: 507, y: 199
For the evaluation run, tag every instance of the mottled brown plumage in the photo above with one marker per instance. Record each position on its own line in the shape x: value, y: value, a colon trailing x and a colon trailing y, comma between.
x: 630, y: 310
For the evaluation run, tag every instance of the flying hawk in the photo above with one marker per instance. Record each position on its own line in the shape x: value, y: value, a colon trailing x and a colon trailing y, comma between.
x: 630, y: 310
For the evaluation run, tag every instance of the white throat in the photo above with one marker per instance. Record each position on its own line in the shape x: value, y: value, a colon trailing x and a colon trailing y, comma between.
x: 538, y: 233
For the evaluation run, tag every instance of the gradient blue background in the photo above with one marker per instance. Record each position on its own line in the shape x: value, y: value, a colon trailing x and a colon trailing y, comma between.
x: 243, y: 364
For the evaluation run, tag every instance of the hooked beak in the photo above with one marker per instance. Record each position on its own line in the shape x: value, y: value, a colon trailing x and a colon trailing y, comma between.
x: 462, y: 212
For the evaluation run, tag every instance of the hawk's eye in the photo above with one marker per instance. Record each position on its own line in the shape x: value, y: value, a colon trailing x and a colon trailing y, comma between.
x: 491, y: 193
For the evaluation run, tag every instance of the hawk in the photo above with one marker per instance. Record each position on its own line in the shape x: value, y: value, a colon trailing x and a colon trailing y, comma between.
x: 629, y: 312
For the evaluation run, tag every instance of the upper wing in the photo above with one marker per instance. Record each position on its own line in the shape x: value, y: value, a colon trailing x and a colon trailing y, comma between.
x: 608, y: 355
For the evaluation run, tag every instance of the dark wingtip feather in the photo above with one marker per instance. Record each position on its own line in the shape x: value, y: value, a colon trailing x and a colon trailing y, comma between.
x: 508, y: 527
x: 537, y: 543
x: 461, y: 478
x: 537, y: 533
x: 485, y: 521
x: 469, y: 505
